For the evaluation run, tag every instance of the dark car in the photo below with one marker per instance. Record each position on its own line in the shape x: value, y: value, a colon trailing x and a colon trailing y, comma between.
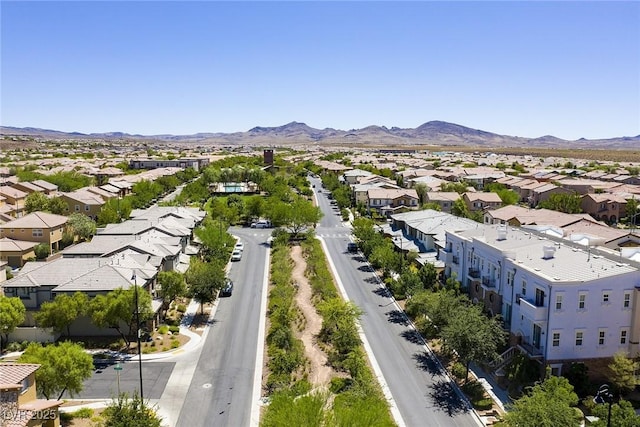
x: 352, y: 247
x: 227, y: 289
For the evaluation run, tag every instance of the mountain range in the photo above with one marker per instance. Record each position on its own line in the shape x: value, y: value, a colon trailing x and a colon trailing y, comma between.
x: 437, y: 133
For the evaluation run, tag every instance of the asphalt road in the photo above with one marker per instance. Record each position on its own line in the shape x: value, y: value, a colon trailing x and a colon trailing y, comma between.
x: 220, y: 393
x: 422, y: 394
x: 104, y: 382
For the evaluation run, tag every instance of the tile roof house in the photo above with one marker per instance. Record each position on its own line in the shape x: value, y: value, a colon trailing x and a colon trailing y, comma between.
x: 28, y: 187
x: 604, y: 207
x: 83, y: 201
x: 542, y: 193
x: 423, y: 231
x: 517, y: 216
x: 16, y: 252
x: 445, y: 199
x: 41, y: 227
x: 19, y: 405
x: 15, y: 199
x: 48, y: 187
x: 388, y: 200
x: 479, y: 201
x: 39, y: 282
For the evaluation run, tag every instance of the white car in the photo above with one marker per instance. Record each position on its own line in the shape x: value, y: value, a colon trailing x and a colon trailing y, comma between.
x: 239, y: 246
x: 263, y: 223
x: 236, y: 255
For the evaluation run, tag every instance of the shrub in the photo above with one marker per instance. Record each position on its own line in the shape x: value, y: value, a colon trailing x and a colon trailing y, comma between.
x: 163, y: 329
x: 459, y: 370
x: 14, y: 346
x: 175, y: 343
x: 174, y: 329
x: 182, y: 308
x: 83, y: 413
x: 338, y: 385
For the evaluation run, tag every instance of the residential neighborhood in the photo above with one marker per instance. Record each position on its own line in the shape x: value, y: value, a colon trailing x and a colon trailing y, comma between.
x: 550, y: 257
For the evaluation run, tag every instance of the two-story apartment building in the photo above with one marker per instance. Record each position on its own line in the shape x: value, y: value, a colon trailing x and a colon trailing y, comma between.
x: 560, y: 302
x: 14, y: 199
x: 83, y: 201
x: 41, y: 227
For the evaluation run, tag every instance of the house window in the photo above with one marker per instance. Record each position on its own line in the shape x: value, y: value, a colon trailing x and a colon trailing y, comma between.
x: 524, y: 288
x: 623, y: 336
x: 556, y: 339
x: 558, y: 302
x: 579, y: 335
x: 77, y: 208
x: 601, y: 335
x: 627, y: 300
x: 86, y: 208
x: 582, y: 301
x: 605, y: 297
x: 36, y: 232
x: 25, y: 385
x: 510, y: 275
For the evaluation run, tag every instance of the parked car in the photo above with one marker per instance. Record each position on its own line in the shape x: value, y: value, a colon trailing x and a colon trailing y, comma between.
x: 236, y: 255
x: 227, y: 289
x: 239, y: 246
x: 352, y: 247
x: 263, y: 223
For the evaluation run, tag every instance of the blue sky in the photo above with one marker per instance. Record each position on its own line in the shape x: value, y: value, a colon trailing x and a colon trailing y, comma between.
x: 569, y: 69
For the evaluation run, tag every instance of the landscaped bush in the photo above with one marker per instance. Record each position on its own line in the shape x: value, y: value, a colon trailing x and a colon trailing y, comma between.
x: 174, y: 329
x: 459, y: 371
x: 182, y: 308
x: 163, y: 329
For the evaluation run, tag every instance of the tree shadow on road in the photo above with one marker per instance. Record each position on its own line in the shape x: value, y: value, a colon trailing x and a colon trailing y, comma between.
x: 446, y: 399
x: 397, y: 317
x: 412, y: 336
x: 383, y: 292
x: 427, y: 363
x: 372, y: 280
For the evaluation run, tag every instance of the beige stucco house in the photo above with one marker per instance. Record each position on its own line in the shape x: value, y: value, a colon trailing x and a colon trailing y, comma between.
x: 40, y: 227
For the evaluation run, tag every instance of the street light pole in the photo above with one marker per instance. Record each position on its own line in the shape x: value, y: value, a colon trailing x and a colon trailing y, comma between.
x: 605, y: 396
x: 135, y: 286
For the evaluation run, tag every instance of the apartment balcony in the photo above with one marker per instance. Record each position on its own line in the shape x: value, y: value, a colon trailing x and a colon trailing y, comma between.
x: 445, y: 256
x: 474, y: 273
x: 532, y: 312
x: 489, y: 282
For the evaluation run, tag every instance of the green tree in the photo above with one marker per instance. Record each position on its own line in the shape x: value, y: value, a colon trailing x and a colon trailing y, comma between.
x: 58, y: 206
x: 422, y: 189
x: 508, y: 197
x: 623, y: 373
x: 172, y: 285
x: 300, y: 215
x: 60, y: 313
x: 454, y: 187
x: 474, y: 336
x: 460, y: 208
x: 125, y: 412
x: 36, y: 202
x: 632, y: 211
x: 118, y: 308
x: 81, y: 225
x: 567, y: 203
x: 623, y: 414
x: 63, y: 367
x: 428, y: 276
x: 549, y: 404
x: 42, y: 250
x: 12, y: 314
x: 385, y: 257
x: 205, y: 279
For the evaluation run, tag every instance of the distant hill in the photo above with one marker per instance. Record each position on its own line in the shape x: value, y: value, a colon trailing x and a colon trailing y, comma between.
x: 431, y: 133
